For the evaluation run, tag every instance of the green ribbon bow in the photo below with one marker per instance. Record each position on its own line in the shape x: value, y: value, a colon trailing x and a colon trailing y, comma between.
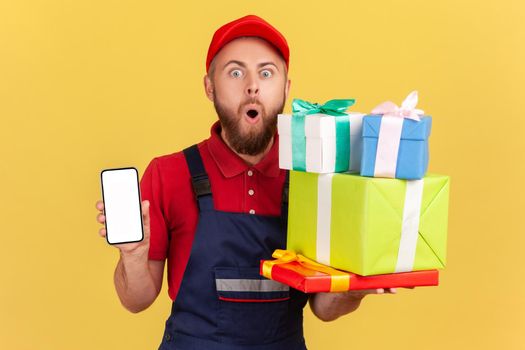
x: 337, y: 108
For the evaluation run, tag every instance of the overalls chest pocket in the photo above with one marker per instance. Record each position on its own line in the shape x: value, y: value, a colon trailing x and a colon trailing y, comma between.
x: 251, y: 308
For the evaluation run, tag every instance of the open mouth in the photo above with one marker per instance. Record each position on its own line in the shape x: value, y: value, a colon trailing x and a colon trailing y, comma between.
x: 252, y: 113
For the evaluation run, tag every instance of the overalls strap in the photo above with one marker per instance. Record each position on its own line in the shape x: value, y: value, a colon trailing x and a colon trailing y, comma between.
x: 199, y: 178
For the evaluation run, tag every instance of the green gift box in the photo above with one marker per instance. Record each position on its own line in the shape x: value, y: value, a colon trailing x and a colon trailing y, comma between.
x: 367, y: 225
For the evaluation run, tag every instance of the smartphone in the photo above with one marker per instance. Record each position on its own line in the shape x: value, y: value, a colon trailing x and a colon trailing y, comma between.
x: 122, y: 205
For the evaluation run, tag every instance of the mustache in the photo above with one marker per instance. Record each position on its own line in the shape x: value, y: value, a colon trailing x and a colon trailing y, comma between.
x: 251, y: 101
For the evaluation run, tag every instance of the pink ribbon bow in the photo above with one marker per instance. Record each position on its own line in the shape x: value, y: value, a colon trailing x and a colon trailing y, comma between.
x: 407, y: 110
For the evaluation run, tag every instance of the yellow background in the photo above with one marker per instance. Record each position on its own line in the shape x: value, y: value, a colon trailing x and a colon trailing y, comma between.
x: 88, y: 85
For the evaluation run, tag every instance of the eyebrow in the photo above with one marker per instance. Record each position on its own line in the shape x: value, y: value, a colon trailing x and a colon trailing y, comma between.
x: 242, y: 64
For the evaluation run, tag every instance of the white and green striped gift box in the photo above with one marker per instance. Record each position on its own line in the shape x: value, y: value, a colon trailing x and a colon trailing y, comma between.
x: 368, y: 225
x: 322, y: 148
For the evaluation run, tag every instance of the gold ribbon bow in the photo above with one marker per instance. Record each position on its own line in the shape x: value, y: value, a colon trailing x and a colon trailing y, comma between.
x: 339, y: 282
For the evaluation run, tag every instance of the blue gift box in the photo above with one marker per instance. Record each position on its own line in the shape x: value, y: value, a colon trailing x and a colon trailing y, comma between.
x: 412, y: 156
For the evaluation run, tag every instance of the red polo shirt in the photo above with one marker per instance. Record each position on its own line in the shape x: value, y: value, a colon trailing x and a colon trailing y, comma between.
x: 236, y: 187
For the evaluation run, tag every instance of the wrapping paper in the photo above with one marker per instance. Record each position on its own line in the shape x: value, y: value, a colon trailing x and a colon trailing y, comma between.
x: 320, y: 139
x: 369, y: 226
x: 308, y: 279
x: 395, y: 140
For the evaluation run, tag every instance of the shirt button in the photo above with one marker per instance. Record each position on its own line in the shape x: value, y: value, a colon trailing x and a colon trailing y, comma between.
x: 251, y: 192
x: 250, y: 173
x: 252, y: 211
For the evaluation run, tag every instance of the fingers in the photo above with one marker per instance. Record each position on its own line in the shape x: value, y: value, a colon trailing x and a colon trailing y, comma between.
x: 384, y: 291
x: 145, y: 218
x: 101, y: 218
x: 100, y: 205
x: 379, y: 291
x: 145, y: 207
x: 375, y: 291
x: 371, y: 291
x: 145, y: 212
x: 364, y: 292
x: 102, y: 232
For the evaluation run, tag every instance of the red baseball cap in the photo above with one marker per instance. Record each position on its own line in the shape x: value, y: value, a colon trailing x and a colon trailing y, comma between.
x: 250, y: 25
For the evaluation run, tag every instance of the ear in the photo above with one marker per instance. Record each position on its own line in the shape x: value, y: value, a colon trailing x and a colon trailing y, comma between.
x: 287, y: 89
x: 208, y: 87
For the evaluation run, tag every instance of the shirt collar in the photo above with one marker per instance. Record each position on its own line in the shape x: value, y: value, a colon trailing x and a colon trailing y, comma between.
x: 230, y: 164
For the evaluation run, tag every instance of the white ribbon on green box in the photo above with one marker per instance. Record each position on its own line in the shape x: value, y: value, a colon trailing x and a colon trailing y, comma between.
x: 369, y: 225
x: 409, y: 230
x: 324, y: 212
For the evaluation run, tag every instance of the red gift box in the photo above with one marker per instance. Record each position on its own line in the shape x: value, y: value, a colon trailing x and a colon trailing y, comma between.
x: 309, y: 276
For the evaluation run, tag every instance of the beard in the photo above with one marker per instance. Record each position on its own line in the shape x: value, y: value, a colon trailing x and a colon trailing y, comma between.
x: 252, y: 142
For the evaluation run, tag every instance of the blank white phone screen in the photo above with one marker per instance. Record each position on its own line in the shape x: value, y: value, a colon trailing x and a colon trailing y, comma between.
x: 120, y: 191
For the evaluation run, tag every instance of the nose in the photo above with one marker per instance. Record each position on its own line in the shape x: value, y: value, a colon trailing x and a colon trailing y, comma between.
x: 252, y: 87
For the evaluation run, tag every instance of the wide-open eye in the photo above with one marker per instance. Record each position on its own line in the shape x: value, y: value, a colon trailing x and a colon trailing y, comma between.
x: 266, y: 73
x: 236, y: 73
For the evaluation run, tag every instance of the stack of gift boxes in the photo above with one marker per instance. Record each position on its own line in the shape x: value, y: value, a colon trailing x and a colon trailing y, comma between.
x: 363, y: 212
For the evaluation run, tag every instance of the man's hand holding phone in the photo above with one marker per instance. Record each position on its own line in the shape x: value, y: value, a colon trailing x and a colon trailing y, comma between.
x: 124, y: 215
x: 133, y: 247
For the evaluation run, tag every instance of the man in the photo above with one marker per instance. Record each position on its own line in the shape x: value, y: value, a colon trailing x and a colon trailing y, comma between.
x: 217, y: 208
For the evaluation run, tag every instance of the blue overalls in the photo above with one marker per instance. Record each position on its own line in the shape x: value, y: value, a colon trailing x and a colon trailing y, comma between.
x: 223, y: 302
